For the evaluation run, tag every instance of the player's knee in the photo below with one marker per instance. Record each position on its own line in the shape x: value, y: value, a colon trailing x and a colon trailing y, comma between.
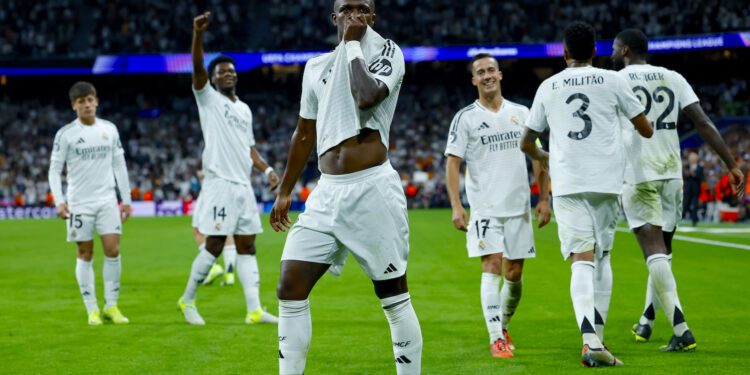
x: 493, y: 264
x: 513, y: 275
x: 290, y: 291
x: 247, y: 249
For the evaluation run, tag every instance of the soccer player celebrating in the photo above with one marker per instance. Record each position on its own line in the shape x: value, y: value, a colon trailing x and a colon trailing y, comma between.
x: 487, y: 134
x: 227, y: 203
x: 92, y: 151
x: 652, y: 196
x: 581, y: 106
x: 348, y: 100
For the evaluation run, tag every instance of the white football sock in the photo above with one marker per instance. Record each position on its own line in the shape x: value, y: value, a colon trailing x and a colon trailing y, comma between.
x: 602, y: 294
x: 652, y: 301
x: 510, y: 295
x: 247, y: 272
x: 111, y: 275
x: 85, y: 277
x: 201, y: 265
x: 489, y: 294
x: 295, y: 333
x: 405, y: 333
x: 666, y: 289
x: 230, y: 256
x: 582, y: 294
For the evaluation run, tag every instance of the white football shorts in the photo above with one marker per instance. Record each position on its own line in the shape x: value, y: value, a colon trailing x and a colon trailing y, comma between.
x: 512, y: 236
x: 363, y: 213
x: 104, y: 216
x: 586, y: 221
x: 226, y: 208
x: 658, y: 203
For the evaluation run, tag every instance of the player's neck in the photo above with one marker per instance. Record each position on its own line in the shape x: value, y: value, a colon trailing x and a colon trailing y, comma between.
x: 579, y: 63
x: 229, y: 94
x: 493, y: 102
x: 87, y: 120
x: 636, y: 61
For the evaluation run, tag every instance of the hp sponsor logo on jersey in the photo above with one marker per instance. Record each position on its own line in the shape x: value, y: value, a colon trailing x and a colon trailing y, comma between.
x: 381, y: 67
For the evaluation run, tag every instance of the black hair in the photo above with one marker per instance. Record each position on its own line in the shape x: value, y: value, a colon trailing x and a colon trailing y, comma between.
x: 80, y: 89
x: 636, y: 40
x: 218, y: 60
x: 580, y: 40
x: 479, y: 56
x: 372, y: 5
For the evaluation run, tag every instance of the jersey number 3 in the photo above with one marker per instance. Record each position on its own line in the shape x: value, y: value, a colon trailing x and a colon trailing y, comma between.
x: 581, y: 114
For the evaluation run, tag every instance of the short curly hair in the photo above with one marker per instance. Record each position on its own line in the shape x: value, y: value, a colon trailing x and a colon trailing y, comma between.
x: 636, y: 40
x: 580, y: 40
x: 218, y: 60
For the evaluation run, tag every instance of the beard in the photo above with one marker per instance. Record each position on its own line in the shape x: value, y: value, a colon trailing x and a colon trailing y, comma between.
x: 618, y: 64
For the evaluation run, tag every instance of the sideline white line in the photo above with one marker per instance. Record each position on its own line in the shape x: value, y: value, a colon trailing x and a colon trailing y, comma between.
x: 700, y: 240
x: 712, y: 230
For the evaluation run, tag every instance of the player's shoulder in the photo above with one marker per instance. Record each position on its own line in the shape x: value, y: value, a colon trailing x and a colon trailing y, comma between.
x: 109, y: 125
x: 468, y: 109
x: 516, y: 107
x: 65, y: 129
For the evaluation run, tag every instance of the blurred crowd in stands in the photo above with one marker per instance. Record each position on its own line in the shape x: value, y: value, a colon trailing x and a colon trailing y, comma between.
x: 163, y: 144
x: 85, y: 28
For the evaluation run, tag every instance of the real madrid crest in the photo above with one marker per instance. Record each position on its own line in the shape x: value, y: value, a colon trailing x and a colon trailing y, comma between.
x: 218, y: 226
x: 104, y: 136
x: 481, y: 245
x: 514, y: 120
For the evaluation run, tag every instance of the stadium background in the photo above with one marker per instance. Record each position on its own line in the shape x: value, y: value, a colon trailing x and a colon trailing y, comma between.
x: 47, y: 46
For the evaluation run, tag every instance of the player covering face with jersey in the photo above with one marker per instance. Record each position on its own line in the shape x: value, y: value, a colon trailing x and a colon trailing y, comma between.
x: 348, y: 100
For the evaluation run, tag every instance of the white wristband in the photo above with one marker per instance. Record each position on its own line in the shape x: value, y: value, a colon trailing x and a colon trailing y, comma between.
x: 353, y: 50
x: 268, y: 171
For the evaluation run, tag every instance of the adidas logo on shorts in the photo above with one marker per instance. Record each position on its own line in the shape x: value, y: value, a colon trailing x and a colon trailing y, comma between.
x: 495, y: 319
x: 391, y: 268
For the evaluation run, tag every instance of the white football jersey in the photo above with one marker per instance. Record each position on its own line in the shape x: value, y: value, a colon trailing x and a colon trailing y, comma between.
x: 386, y: 64
x: 88, y: 152
x: 497, y: 181
x: 664, y: 93
x: 582, y: 106
x: 227, y: 134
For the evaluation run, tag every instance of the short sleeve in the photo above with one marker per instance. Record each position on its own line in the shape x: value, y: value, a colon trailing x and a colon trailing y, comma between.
x: 685, y: 94
x: 205, y: 96
x: 308, y: 107
x: 458, y: 137
x: 628, y: 103
x: 389, y: 66
x: 537, y: 118
x: 59, y: 147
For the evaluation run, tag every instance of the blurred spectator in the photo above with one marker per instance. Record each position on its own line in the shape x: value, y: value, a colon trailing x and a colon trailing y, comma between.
x: 692, y: 176
x: 89, y: 27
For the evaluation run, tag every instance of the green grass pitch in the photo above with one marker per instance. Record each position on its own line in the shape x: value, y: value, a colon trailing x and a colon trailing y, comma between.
x: 43, y: 322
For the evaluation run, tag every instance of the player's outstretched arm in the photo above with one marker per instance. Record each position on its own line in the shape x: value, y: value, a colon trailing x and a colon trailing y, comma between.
x: 200, y: 74
x: 367, y: 91
x: 711, y: 135
x: 460, y: 218
x: 643, y: 126
x: 303, y: 142
x: 260, y: 163
x: 542, y: 211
